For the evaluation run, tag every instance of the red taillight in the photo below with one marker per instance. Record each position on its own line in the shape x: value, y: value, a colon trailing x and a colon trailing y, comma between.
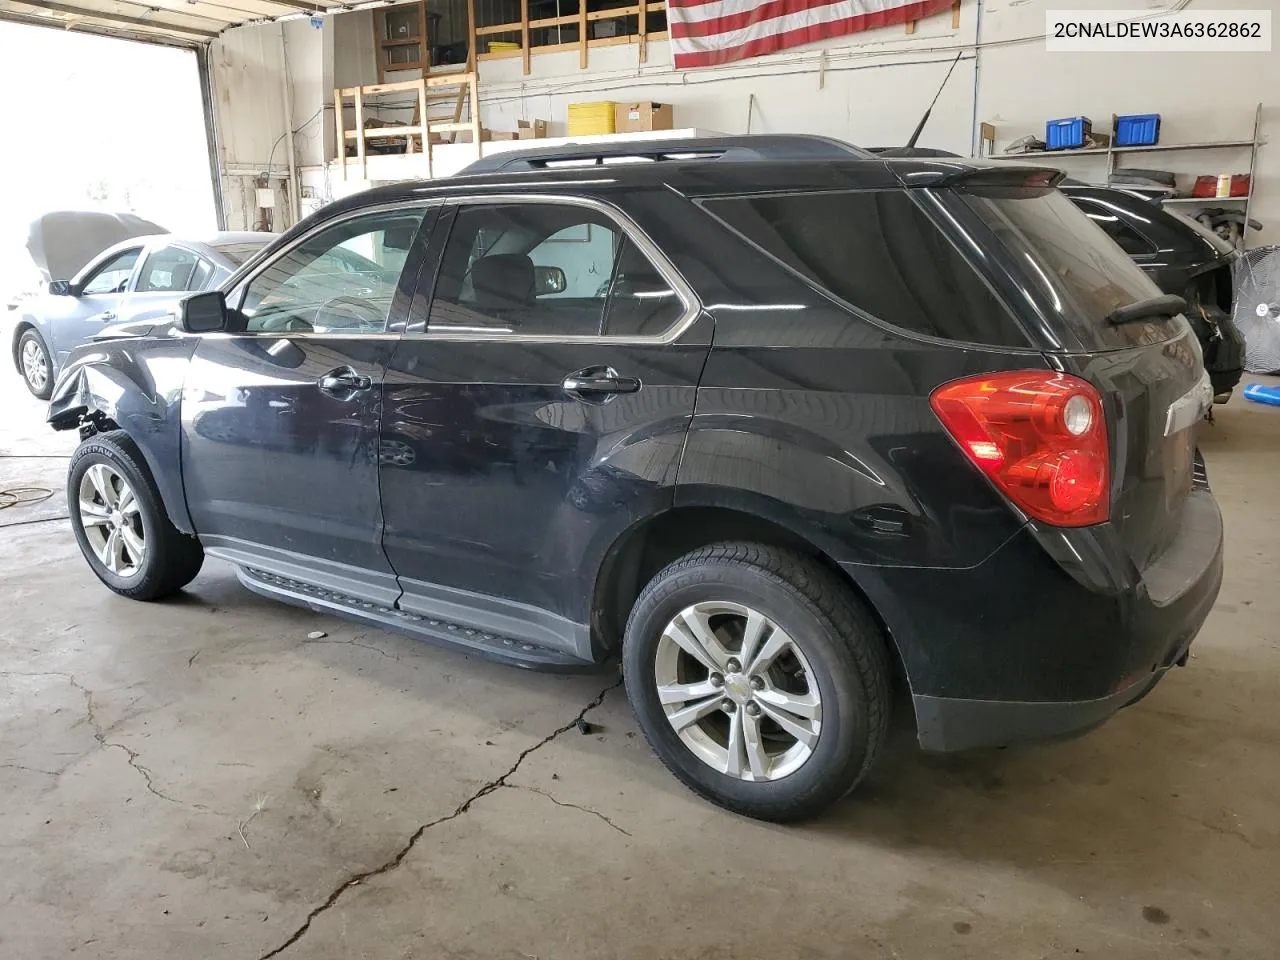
x: 1039, y: 436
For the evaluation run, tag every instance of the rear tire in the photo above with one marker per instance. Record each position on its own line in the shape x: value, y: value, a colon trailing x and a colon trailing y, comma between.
x: 792, y: 655
x: 35, y: 365
x: 121, y: 524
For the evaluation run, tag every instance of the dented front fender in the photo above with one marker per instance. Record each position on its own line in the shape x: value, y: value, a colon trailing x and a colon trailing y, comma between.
x: 135, y: 386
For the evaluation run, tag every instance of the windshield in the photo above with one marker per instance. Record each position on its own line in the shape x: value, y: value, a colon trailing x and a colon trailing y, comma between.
x: 1077, y: 268
x: 238, y: 253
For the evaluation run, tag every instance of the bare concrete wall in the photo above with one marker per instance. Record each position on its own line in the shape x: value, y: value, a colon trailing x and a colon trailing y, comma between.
x: 870, y: 89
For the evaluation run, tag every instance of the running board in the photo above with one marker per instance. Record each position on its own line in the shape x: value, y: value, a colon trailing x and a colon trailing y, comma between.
x: 510, y: 650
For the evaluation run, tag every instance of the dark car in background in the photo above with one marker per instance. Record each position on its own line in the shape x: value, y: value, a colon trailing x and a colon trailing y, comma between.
x: 786, y: 421
x: 136, y: 281
x: 1182, y: 257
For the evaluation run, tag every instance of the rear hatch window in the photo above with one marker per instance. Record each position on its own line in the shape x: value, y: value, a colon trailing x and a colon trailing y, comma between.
x: 879, y: 252
x: 1080, y: 273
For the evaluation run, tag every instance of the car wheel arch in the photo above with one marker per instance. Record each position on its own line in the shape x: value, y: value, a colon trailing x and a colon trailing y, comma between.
x: 650, y: 544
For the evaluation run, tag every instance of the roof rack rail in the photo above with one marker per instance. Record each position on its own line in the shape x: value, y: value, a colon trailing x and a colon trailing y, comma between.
x: 728, y: 149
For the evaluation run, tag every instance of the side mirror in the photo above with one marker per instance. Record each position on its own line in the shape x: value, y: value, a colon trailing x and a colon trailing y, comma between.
x: 203, y: 312
x: 548, y: 280
x: 61, y: 288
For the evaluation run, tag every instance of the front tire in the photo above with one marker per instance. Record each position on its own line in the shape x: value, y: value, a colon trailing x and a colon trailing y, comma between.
x: 121, y: 524
x: 35, y: 364
x: 759, y: 678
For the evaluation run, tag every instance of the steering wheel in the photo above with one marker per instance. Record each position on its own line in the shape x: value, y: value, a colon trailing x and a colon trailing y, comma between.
x: 347, y: 312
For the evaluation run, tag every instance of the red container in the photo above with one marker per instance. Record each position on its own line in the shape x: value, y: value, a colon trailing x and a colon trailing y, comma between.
x: 1210, y: 187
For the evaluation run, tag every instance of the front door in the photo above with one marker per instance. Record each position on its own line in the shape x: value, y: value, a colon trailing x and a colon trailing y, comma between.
x: 533, y: 413
x: 280, y: 418
x: 96, y: 301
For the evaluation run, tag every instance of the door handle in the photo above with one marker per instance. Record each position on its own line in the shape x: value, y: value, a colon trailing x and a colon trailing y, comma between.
x: 342, y: 382
x: 599, y: 383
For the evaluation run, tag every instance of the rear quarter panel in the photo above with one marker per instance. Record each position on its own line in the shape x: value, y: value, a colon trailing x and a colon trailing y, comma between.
x: 137, y: 385
x: 818, y: 419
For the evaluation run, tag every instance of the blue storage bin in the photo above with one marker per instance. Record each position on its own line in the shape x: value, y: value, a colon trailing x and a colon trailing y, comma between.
x: 1067, y: 133
x: 1137, y: 130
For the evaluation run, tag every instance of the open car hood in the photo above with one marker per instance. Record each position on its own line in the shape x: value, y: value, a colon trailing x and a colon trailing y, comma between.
x: 62, y: 242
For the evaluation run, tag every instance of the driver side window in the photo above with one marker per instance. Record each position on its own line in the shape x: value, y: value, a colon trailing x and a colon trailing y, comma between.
x: 340, y: 280
x: 112, y: 276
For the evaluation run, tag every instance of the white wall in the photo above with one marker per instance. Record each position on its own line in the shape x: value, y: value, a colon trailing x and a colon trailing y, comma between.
x: 1200, y: 96
x: 248, y: 66
x: 870, y: 89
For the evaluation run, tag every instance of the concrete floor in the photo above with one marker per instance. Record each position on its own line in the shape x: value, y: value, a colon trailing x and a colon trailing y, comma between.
x: 199, y: 779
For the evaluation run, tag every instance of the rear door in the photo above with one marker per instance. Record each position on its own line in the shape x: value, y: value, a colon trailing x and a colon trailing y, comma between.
x: 280, y: 417
x: 1149, y: 371
x: 168, y: 272
x: 535, y: 409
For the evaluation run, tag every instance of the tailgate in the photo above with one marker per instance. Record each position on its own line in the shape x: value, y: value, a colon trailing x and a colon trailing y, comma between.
x: 1148, y: 369
x: 1155, y: 396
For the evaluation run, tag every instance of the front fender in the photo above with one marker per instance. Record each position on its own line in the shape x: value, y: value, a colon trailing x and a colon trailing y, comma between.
x: 135, y: 385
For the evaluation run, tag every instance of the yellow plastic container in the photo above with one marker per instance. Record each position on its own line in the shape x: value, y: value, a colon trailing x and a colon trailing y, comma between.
x: 496, y: 46
x: 589, y: 118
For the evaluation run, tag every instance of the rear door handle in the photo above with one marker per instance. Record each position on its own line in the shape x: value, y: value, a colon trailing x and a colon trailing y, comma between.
x: 343, y: 382
x: 599, y: 383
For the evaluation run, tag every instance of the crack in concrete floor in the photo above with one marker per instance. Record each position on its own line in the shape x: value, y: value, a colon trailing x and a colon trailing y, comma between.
x: 395, y: 861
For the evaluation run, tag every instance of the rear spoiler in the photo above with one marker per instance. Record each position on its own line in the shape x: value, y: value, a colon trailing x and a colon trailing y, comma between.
x: 1004, y: 175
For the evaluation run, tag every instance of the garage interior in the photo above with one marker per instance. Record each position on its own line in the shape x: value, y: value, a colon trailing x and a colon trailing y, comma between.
x: 225, y: 776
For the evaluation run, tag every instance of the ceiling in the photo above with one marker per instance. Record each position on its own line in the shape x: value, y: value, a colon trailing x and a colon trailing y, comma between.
x: 186, y: 23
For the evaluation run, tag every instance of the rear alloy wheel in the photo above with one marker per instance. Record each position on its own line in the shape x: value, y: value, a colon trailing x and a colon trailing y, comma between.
x: 121, y: 524
x: 759, y: 678
x: 36, y: 369
x: 738, y: 691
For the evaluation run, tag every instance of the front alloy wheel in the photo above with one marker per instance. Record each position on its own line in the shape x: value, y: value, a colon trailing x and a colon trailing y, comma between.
x: 121, y: 524
x: 112, y: 520
x: 33, y: 360
x: 736, y: 689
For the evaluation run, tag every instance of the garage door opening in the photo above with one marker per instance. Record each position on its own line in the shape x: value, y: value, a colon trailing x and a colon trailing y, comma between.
x: 98, y: 123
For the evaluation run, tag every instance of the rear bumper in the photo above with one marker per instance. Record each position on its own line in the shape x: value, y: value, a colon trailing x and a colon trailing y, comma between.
x: 1028, y: 646
x: 947, y: 724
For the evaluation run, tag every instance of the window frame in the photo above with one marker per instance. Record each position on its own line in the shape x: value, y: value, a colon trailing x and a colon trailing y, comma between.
x: 161, y: 248
x: 421, y: 308
x: 138, y: 253
x: 412, y: 268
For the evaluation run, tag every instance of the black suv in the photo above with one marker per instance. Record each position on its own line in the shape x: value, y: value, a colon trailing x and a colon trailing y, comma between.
x: 772, y: 421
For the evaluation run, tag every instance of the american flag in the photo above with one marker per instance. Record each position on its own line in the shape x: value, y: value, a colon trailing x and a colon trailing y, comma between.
x: 707, y: 32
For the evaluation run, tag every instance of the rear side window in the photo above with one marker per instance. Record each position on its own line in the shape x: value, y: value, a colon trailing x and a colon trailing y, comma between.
x: 1068, y: 258
x: 548, y: 269
x: 166, y: 270
x: 880, y: 252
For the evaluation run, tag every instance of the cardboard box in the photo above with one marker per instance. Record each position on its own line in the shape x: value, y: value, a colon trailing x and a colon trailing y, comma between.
x: 637, y: 117
x: 531, y: 129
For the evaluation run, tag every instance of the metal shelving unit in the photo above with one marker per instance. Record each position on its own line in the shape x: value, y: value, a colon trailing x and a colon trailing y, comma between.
x: 1112, y: 153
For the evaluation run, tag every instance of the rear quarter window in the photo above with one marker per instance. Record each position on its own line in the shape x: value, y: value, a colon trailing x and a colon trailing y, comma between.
x: 880, y: 252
